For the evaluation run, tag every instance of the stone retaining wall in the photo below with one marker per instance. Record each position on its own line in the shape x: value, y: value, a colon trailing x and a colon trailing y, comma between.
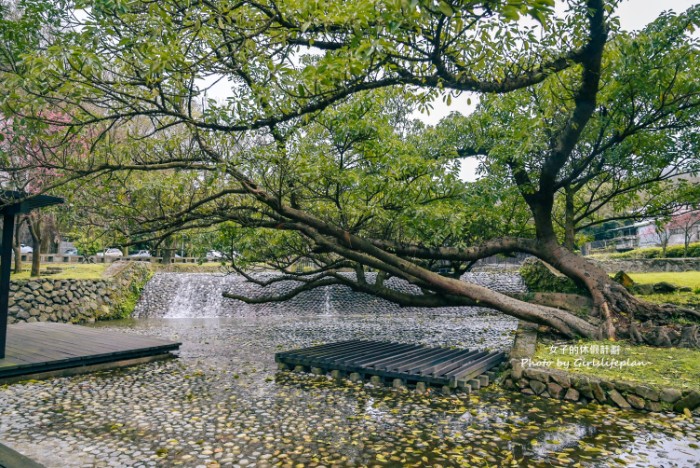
x: 73, y: 301
x: 651, y: 265
x: 563, y: 385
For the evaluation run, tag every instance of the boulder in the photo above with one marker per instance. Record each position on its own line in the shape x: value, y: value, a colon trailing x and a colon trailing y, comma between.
x: 618, y: 399
x: 664, y: 288
x: 562, y: 378
x: 624, y: 279
x: 653, y: 406
x: 643, y: 289
x: 647, y: 393
x: 572, y: 394
x: 598, y: 392
x: 517, y: 368
x: 540, y: 276
x: 635, y: 401
x: 670, y: 395
x: 537, y: 386
x: 690, y: 401
x: 555, y: 390
x: 536, y: 374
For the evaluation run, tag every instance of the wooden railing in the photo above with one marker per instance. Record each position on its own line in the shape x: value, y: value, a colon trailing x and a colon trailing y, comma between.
x: 60, y: 258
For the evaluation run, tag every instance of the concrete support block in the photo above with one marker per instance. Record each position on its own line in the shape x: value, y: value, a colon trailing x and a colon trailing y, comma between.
x: 398, y: 383
x: 464, y: 387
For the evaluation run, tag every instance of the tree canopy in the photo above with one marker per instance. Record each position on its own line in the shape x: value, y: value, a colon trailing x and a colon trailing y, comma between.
x: 314, y: 155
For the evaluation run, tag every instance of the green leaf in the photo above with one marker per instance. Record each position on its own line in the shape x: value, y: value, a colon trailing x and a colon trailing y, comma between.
x: 446, y: 8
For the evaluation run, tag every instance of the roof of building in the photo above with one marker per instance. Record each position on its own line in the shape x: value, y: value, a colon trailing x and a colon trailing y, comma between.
x: 16, y: 202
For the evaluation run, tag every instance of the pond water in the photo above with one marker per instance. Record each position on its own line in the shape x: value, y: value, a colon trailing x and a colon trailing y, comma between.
x: 223, y: 402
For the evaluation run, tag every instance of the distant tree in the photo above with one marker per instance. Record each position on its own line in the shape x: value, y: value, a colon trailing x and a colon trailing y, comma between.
x: 663, y: 233
x: 688, y: 223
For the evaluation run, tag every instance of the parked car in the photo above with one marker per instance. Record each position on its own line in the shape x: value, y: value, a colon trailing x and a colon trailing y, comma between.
x: 25, y: 249
x: 71, y: 251
x: 110, y: 253
x: 214, y: 255
x: 141, y: 253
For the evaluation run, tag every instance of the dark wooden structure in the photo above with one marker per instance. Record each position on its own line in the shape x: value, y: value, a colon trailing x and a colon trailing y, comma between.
x: 12, y: 204
x: 410, y: 363
x: 47, y: 349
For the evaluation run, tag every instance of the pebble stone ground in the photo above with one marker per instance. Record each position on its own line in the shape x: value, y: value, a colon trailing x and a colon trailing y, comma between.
x: 222, y: 403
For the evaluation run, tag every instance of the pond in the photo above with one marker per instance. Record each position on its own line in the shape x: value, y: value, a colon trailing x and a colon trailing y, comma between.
x: 223, y: 402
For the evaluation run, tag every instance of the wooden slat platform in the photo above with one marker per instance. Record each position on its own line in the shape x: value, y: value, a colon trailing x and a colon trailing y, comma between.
x: 408, y: 362
x: 40, y: 347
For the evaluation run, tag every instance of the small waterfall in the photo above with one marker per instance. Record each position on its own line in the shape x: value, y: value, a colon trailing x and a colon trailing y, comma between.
x: 328, y: 310
x: 198, y: 295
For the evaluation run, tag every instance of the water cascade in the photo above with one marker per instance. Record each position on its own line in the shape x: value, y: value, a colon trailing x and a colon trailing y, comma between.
x: 197, y: 295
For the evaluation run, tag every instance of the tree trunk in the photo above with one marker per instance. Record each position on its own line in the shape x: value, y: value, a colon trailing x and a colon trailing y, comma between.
x: 569, y: 229
x: 167, y: 250
x: 36, y: 257
x: 34, y: 223
x: 620, y: 313
x: 17, y: 247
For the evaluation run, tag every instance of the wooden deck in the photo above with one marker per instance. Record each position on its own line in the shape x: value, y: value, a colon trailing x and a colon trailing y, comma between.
x: 409, y: 363
x: 40, y: 348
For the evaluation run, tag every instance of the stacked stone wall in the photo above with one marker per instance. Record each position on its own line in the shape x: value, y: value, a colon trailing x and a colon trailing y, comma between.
x: 71, y: 300
x: 651, y: 265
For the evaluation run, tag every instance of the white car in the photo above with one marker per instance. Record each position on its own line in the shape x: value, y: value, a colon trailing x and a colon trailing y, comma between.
x: 141, y: 253
x: 25, y: 249
x: 110, y: 253
x: 214, y: 255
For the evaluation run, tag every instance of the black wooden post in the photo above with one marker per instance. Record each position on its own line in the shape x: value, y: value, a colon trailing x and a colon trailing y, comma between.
x: 8, y: 227
x: 12, y: 204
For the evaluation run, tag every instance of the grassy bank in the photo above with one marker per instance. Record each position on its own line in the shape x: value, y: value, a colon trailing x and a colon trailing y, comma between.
x: 68, y: 271
x: 664, y: 367
x: 689, y: 279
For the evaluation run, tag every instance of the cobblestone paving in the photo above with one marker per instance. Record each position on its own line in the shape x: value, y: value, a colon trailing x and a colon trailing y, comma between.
x: 223, y: 403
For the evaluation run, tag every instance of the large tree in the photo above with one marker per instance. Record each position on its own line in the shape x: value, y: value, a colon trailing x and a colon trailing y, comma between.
x: 302, y: 153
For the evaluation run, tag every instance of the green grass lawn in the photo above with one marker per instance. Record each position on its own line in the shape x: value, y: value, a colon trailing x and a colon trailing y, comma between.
x: 674, y: 367
x: 68, y: 271
x: 690, y: 279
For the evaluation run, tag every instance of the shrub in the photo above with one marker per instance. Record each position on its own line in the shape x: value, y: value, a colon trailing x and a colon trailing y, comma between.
x: 540, y: 277
x: 673, y: 251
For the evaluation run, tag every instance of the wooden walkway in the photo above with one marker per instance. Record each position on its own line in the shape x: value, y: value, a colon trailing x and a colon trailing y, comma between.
x: 62, y: 349
x: 407, y: 363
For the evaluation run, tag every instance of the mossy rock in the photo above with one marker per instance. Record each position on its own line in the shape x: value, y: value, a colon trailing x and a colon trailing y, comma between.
x: 541, y: 277
x: 642, y: 289
x: 624, y: 279
x: 664, y: 288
